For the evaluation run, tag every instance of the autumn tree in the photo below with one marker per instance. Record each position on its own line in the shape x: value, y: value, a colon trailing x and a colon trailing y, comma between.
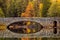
x: 54, y: 10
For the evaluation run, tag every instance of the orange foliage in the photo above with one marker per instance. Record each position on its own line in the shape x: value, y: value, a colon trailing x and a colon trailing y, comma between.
x: 28, y: 13
x: 25, y: 39
x: 29, y: 7
x: 29, y: 10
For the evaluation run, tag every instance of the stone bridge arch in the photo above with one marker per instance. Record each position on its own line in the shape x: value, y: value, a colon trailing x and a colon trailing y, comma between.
x: 43, y: 33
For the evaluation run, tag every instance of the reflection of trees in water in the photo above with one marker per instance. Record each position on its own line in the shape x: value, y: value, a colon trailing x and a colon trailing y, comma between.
x: 24, y: 27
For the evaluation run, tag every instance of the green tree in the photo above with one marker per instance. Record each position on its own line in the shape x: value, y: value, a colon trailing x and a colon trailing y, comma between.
x: 3, y: 6
x: 46, y: 6
x: 1, y: 13
x: 17, y: 7
x: 36, y: 8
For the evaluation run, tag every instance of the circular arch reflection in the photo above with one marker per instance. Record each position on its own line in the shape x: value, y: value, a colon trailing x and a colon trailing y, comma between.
x: 25, y: 27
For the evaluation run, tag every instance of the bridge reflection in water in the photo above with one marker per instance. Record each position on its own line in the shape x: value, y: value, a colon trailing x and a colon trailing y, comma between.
x: 25, y: 27
x: 38, y: 27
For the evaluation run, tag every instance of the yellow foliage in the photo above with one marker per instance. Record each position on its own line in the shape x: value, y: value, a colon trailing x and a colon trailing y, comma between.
x: 28, y: 23
x: 28, y: 30
x: 58, y: 0
x: 2, y: 26
x: 26, y: 14
x: 28, y: 10
x: 25, y: 38
x: 33, y: 30
x: 41, y: 5
x: 55, y: 1
x: 29, y: 6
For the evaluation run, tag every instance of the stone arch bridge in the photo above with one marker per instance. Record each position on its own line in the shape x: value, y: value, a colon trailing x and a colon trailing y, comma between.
x: 47, y: 23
